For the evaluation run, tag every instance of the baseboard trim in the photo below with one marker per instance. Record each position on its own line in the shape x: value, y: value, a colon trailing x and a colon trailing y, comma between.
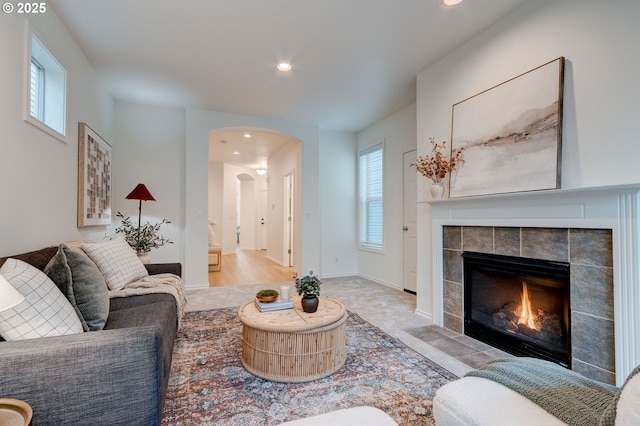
x: 348, y: 275
x: 196, y: 287
x: 385, y: 283
x: 276, y: 261
x: 423, y: 314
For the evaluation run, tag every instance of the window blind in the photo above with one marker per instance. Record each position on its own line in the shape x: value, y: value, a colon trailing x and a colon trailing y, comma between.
x: 36, y: 94
x: 370, y: 194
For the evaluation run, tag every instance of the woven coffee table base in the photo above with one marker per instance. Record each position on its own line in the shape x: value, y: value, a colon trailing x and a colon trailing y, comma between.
x: 294, y: 356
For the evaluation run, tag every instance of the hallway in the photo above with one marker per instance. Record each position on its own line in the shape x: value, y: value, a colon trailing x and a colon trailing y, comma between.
x: 249, y: 267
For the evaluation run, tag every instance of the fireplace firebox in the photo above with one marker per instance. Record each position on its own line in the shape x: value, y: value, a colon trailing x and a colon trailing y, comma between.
x: 519, y: 305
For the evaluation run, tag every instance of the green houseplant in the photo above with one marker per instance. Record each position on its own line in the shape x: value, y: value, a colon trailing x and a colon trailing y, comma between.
x: 142, y: 238
x: 309, y: 288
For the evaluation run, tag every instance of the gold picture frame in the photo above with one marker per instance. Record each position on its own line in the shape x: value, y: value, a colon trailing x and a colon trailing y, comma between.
x: 94, y: 178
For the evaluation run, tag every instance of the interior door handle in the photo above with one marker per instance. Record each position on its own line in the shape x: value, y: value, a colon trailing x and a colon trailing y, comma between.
x: 405, y: 228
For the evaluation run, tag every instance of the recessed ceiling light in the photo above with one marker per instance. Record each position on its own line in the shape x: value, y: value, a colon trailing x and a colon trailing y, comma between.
x: 236, y: 153
x: 247, y: 135
x: 284, y: 66
x: 451, y: 2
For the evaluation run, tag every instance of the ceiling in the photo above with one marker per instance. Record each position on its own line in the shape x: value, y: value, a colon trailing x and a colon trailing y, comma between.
x: 231, y: 146
x: 354, y: 61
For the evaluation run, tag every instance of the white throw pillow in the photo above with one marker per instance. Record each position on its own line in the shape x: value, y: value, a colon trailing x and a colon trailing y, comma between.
x: 45, y: 310
x: 117, y: 261
x: 628, y: 409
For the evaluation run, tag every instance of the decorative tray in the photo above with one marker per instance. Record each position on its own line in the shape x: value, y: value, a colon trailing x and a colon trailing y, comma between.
x: 266, y: 296
x: 14, y: 412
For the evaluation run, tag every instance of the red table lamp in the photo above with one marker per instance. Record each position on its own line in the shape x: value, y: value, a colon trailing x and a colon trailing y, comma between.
x: 140, y: 193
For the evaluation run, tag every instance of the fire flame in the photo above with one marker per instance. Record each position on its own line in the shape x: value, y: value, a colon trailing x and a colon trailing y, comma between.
x: 525, y: 312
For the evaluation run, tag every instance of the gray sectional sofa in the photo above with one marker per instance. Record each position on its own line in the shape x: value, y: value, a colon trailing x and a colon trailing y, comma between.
x: 115, y: 376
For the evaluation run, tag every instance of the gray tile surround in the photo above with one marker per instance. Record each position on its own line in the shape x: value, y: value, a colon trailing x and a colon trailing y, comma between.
x: 589, y: 253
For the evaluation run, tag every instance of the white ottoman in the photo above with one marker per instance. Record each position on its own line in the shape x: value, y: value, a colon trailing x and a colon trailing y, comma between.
x: 357, y: 416
x: 479, y: 402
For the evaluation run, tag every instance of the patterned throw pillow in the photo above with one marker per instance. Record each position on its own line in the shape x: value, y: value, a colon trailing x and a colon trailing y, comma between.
x: 117, y: 261
x: 80, y: 280
x: 45, y: 310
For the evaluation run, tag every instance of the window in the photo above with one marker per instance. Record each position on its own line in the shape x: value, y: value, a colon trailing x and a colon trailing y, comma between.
x: 370, y: 195
x: 46, y: 89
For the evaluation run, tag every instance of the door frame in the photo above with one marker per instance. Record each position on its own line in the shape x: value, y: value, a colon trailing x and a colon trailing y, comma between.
x: 407, y: 158
x: 288, y: 218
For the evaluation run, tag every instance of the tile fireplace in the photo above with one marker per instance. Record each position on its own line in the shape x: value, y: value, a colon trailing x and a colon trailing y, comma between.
x: 581, y: 278
x: 594, y: 231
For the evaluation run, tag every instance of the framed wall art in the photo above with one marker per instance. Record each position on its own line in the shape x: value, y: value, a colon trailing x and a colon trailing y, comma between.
x: 94, y: 178
x: 511, y: 135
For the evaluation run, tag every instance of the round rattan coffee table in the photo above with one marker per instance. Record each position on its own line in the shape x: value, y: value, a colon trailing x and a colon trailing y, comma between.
x: 292, y: 346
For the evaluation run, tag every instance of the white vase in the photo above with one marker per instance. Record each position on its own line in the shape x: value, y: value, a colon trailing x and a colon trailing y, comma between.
x: 144, y: 257
x: 436, y: 190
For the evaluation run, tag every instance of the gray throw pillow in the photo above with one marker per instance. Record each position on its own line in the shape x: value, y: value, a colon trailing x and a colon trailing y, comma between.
x: 82, y: 282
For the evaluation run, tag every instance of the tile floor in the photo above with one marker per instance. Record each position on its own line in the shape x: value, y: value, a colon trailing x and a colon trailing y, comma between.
x: 389, y: 309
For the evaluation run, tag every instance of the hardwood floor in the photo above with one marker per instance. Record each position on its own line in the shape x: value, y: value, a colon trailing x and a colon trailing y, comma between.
x: 249, y: 267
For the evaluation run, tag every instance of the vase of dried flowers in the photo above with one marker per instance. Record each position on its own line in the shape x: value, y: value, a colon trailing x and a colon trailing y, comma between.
x: 437, y: 166
x: 436, y: 190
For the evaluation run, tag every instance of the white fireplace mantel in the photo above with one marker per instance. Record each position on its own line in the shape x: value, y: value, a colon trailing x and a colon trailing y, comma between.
x: 611, y: 207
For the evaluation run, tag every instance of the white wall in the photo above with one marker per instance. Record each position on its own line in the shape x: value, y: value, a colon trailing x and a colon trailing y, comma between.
x: 281, y: 163
x: 149, y: 150
x: 226, y: 224
x: 38, y: 173
x: 216, y: 182
x: 338, y: 242
x: 399, y: 134
x: 600, y: 132
x: 248, y: 213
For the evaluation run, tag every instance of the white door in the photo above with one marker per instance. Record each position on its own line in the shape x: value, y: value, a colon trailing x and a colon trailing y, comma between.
x: 410, y: 222
x: 263, y: 220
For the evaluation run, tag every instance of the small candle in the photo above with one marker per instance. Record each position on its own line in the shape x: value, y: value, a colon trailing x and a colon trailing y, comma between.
x: 284, y: 292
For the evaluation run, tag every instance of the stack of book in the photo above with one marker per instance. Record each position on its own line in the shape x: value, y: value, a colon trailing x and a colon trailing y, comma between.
x: 276, y: 305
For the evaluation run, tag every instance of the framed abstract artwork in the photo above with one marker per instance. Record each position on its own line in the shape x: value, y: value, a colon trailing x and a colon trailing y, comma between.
x: 94, y: 178
x: 511, y: 135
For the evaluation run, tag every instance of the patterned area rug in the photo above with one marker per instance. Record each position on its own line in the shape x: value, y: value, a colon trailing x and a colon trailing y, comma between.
x: 209, y: 386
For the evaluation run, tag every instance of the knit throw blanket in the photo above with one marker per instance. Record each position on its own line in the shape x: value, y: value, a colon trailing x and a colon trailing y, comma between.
x: 159, y: 283
x: 567, y: 395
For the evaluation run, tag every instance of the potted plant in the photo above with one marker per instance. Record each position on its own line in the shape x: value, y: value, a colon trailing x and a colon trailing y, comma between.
x: 142, y: 238
x: 436, y: 166
x: 309, y: 288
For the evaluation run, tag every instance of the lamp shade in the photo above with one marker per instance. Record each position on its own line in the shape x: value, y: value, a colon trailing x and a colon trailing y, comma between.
x: 140, y: 192
x: 9, y: 296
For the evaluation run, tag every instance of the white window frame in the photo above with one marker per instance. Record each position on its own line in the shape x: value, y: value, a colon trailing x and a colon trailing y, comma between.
x: 364, y: 198
x: 52, y: 117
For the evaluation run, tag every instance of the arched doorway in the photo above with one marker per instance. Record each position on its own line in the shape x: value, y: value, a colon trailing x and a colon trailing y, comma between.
x: 247, y: 201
